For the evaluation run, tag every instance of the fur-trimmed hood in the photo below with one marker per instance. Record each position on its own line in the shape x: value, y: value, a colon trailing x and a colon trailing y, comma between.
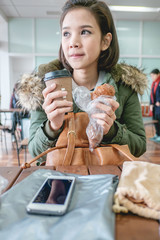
x: 131, y: 76
x: 31, y: 85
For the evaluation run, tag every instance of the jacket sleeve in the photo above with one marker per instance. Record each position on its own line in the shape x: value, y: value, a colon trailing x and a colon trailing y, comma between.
x: 40, y: 139
x: 128, y: 127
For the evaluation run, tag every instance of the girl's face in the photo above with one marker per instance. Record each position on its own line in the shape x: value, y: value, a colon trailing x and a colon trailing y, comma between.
x: 81, y: 39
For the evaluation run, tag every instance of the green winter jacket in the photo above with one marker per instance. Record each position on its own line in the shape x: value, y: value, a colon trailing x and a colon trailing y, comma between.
x: 127, y: 129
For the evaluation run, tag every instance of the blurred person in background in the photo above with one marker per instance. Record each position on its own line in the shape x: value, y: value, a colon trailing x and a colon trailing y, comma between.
x: 16, y: 116
x: 155, y: 102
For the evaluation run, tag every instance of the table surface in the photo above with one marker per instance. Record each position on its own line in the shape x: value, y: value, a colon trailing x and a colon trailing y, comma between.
x: 128, y: 226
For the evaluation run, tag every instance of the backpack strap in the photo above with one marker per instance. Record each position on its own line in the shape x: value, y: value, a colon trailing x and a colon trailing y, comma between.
x: 28, y: 165
x: 70, y: 145
x: 71, y: 135
x: 124, y: 150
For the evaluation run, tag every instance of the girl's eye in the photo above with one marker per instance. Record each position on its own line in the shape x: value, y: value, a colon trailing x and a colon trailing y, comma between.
x: 65, y: 34
x: 85, y: 32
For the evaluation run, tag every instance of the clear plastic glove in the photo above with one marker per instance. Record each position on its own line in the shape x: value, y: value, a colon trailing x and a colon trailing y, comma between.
x: 82, y: 98
x: 94, y: 132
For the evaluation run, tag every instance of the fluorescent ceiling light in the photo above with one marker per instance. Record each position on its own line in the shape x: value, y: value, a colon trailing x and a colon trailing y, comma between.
x: 133, y: 9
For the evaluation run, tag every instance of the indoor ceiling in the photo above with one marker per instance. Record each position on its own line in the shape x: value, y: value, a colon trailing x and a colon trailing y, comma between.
x: 52, y: 8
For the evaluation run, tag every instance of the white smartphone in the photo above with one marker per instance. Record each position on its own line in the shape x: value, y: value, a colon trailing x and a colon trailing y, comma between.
x: 53, y: 197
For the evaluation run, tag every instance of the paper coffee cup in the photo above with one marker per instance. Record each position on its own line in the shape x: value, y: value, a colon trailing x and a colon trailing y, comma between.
x: 63, y: 81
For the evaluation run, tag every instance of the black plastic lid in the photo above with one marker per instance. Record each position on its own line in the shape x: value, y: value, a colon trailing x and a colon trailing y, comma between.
x: 56, y: 74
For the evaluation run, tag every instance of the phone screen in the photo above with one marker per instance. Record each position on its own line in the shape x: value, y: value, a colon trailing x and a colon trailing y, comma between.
x: 54, y: 191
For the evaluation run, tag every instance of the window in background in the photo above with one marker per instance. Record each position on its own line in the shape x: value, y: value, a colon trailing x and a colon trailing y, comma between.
x: 131, y: 61
x: 39, y: 41
x: 20, y: 35
x: 43, y: 60
x: 150, y: 51
x: 151, y: 38
x: 20, y: 65
x: 47, y: 36
x: 129, y: 37
x: 148, y: 64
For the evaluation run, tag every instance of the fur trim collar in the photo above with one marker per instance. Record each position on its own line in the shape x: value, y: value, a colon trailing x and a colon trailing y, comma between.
x: 131, y: 76
x: 30, y: 92
x: 31, y: 85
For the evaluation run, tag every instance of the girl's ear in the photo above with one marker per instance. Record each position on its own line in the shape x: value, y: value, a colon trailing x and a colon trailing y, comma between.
x: 106, y: 41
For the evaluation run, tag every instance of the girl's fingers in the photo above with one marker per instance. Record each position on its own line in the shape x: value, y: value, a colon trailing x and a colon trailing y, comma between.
x: 57, y: 104
x: 58, y: 111
x: 53, y: 96
x: 109, y: 108
x: 112, y: 103
x: 107, y: 112
x: 105, y: 121
x: 48, y: 90
x: 104, y: 125
x: 104, y: 118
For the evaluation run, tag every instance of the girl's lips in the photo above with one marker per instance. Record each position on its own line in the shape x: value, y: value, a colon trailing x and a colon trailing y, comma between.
x: 76, y: 55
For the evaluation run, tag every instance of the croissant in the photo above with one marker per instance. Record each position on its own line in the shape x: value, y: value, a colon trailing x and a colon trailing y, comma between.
x: 105, y: 89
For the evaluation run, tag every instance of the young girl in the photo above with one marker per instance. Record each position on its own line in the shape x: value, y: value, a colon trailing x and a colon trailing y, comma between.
x: 89, y: 50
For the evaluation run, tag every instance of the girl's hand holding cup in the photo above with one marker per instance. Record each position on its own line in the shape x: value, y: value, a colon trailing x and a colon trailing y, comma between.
x: 57, y: 97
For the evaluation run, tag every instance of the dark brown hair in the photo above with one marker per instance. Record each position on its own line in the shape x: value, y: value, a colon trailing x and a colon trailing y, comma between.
x: 100, y: 10
x: 155, y: 71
